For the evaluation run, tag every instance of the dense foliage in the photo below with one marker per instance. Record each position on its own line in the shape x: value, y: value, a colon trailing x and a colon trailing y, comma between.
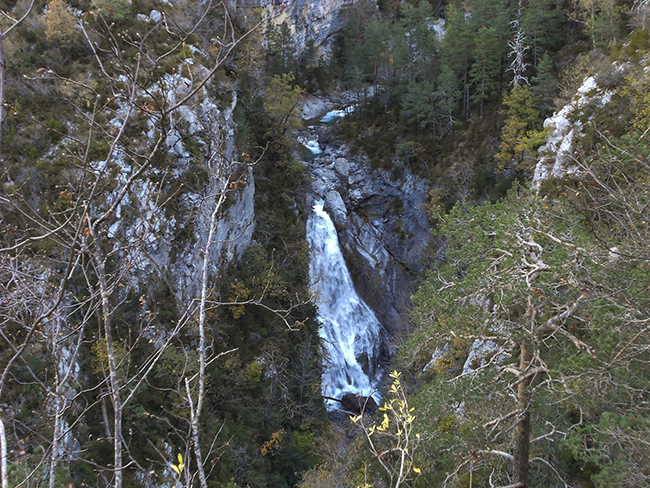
x: 101, y: 160
x: 527, y: 364
x: 429, y: 74
x: 545, y: 305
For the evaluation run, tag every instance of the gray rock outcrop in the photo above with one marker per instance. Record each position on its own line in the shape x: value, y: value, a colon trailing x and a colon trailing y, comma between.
x: 556, y: 158
x: 382, y: 227
x: 173, y: 240
x: 317, y: 21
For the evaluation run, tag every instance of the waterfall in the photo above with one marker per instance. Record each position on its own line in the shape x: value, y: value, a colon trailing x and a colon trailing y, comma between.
x: 349, y: 329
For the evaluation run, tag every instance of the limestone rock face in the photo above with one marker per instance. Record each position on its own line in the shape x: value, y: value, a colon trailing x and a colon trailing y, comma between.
x: 309, y: 19
x: 335, y: 206
x: 236, y: 223
x: 175, y: 238
x: 313, y: 107
x: 556, y: 156
x: 382, y: 227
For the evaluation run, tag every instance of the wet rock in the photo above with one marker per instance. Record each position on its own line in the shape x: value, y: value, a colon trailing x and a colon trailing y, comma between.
x: 382, y: 227
x: 335, y: 206
x: 342, y: 167
x: 357, y: 404
x: 363, y: 361
x: 320, y: 188
x: 313, y: 107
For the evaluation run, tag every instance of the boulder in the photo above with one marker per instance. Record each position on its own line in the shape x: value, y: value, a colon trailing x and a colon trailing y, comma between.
x: 357, y: 404
x: 335, y: 206
x: 342, y: 167
x: 313, y: 107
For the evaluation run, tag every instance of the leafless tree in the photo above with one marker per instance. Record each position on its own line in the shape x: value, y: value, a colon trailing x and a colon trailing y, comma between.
x: 104, y: 256
x: 518, y: 45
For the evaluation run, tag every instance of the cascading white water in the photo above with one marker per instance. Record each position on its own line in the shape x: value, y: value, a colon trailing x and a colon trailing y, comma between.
x: 349, y: 328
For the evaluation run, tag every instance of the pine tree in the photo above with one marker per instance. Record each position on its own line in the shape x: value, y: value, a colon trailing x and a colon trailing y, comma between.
x: 485, y: 70
x: 417, y: 105
x: 281, y: 102
x: 12, y: 19
x: 523, y: 116
x: 545, y: 85
x: 419, y: 39
x: 497, y: 14
x: 457, y: 49
x: 374, y: 55
x: 60, y: 25
x: 346, y: 42
x: 447, y: 95
x: 600, y: 18
x: 542, y: 20
x: 282, y: 49
x: 551, y: 319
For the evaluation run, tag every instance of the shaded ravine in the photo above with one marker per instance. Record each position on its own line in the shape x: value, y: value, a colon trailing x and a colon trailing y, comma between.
x: 349, y: 328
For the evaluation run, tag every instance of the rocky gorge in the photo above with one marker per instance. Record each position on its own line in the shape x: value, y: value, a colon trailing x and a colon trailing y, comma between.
x: 382, y: 225
x: 339, y: 243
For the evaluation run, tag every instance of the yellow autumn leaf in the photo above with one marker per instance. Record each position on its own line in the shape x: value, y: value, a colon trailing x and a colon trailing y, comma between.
x: 385, y: 423
x: 178, y: 469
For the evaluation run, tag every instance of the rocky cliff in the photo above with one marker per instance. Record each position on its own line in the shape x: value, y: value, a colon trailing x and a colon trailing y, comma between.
x: 556, y: 158
x: 317, y: 21
x: 382, y: 226
x: 200, y: 149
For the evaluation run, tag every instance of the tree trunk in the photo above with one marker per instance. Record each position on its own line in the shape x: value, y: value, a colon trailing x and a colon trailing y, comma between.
x: 465, y: 94
x: 194, y: 421
x: 3, y: 455
x: 57, y: 432
x: 374, y: 81
x: 2, y: 86
x: 58, y: 410
x: 195, y: 411
x: 102, y: 404
x: 115, y: 394
x: 522, y: 430
x: 113, y: 382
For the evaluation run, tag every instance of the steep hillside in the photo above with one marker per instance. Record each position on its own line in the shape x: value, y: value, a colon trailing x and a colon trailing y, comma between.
x: 527, y: 366
x: 150, y: 312
x: 157, y: 326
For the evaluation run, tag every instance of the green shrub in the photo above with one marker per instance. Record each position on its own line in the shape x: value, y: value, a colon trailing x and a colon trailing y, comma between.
x: 98, y: 151
x: 59, y: 129
x: 116, y: 10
